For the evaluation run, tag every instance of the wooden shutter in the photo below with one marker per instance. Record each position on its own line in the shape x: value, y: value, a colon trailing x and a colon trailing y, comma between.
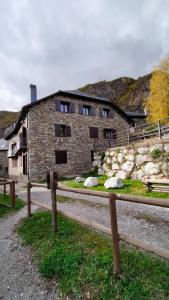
x: 81, y: 109
x: 93, y: 111
x: 93, y: 132
x: 101, y: 112
x: 57, y: 105
x: 68, y: 131
x: 72, y: 108
x: 111, y: 113
x: 114, y: 134
x: 57, y: 130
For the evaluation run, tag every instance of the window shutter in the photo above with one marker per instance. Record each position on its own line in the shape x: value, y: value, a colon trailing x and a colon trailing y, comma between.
x: 61, y: 157
x: 101, y: 112
x: 111, y: 113
x: 68, y: 131
x: 81, y: 109
x: 72, y: 108
x: 93, y: 132
x: 93, y: 111
x: 57, y: 105
x: 57, y: 130
x: 114, y: 134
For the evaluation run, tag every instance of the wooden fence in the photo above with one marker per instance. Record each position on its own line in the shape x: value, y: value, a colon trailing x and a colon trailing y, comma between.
x: 113, y: 198
x: 4, y: 183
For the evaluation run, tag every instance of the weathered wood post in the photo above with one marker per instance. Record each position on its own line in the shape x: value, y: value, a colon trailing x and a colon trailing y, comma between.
x: 53, y: 186
x: 29, y: 198
x: 4, y: 188
x: 115, y: 236
x: 13, y: 194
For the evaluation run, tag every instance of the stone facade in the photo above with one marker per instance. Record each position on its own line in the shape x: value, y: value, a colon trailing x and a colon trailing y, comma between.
x: 135, y: 161
x: 42, y: 142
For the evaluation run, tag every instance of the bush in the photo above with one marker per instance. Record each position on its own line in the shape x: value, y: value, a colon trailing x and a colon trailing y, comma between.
x: 156, y: 153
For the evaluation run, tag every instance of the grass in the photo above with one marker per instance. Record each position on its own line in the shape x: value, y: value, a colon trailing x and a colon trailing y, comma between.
x: 81, y: 260
x: 133, y: 187
x: 6, y: 210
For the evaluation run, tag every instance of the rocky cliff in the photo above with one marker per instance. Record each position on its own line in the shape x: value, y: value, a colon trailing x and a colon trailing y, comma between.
x: 127, y: 92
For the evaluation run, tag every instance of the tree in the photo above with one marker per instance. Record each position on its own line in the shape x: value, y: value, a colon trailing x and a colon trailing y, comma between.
x: 157, y: 102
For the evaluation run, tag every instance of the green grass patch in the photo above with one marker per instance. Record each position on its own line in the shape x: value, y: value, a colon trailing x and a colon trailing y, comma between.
x: 6, y: 210
x: 81, y: 259
x: 133, y: 187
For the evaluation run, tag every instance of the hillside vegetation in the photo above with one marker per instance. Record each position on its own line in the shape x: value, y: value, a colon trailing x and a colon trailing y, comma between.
x: 7, y: 117
x: 126, y: 92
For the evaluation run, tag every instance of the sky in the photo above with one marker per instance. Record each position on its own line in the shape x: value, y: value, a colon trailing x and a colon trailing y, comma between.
x: 65, y: 44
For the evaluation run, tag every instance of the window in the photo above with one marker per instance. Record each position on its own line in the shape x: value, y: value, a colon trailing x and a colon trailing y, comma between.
x: 109, y: 133
x: 62, y: 130
x: 61, y: 157
x: 86, y: 110
x: 93, y: 131
x: 92, y: 156
x: 106, y: 113
x: 64, y: 107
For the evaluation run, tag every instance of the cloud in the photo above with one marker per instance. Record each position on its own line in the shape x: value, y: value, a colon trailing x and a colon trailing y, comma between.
x: 60, y: 44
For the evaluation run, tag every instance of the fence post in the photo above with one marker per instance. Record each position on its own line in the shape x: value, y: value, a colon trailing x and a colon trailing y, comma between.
x: 53, y: 186
x: 29, y: 198
x: 115, y: 236
x: 159, y: 129
x: 4, y: 188
x: 13, y: 194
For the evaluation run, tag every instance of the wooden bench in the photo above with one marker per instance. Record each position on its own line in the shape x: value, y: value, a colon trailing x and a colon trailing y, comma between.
x: 157, y: 185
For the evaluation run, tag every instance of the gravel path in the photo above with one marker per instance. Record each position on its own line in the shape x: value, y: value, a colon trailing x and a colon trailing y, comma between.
x: 144, y: 222
x: 19, y: 279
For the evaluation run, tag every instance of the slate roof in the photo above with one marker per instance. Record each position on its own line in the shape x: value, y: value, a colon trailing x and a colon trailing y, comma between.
x: 73, y: 94
x: 3, y: 145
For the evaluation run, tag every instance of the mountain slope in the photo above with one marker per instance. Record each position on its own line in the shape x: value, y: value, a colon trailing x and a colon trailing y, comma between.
x: 126, y: 92
x: 7, y: 117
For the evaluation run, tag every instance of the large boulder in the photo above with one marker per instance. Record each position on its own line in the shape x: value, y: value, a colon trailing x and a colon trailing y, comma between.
x: 79, y: 179
x: 151, y: 169
x: 128, y: 166
x: 120, y: 158
x: 137, y: 174
x: 113, y: 183
x: 91, y: 181
x: 122, y: 174
x: 130, y: 157
x: 165, y: 168
x: 115, y: 167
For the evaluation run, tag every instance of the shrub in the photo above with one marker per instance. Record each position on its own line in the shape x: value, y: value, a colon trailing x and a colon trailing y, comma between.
x: 156, y: 153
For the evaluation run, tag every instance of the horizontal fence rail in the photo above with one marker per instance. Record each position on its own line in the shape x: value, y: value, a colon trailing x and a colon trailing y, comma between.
x: 113, y: 231
x: 4, y: 183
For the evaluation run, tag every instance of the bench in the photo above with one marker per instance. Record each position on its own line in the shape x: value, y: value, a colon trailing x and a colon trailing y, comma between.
x: 157, y: 185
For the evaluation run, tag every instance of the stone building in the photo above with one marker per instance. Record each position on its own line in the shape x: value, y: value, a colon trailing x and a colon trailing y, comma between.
x: 60, y: 132
x: 3, y: 158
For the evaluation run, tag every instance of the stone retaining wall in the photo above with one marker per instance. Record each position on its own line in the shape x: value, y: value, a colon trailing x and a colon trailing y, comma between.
x: 134, y: 162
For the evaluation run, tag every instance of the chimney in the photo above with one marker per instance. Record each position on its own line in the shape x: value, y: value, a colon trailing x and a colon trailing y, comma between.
x: 33, y: 93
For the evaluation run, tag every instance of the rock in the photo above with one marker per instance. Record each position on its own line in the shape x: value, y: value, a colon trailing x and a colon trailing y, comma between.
x: 110, y: 173
x: 107, y: 153
x: 142, y: 151
x: 166, y: 148
x: 151, y: 168
x: 115, y: 167
x: 91, y: 181
x: 113, y: 182
x: 165, y: 169
x: 128, y: 166
x: 105, y: 167
x: 120, y: 158
x: 101, y: 171
x: 112, y: 153
x: 132, y: 151
x: 137, y: 174
x: 79, y: 179
x: 109, y: 160
x: 140, y: 159
x: 130, y: 157
x: 122, y: 174
x: 95, y: 163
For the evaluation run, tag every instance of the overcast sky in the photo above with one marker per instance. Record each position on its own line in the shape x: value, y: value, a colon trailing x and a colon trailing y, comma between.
x: 65, y: 44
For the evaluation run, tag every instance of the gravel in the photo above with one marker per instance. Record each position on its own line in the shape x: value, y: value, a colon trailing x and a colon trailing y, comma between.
x: 147, y: 223
x: 19, y: 279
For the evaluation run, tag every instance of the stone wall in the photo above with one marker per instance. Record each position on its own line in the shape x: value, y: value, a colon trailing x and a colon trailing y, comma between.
x: 136, y: 162
x: 42, y: 142
x: 3, y: 163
